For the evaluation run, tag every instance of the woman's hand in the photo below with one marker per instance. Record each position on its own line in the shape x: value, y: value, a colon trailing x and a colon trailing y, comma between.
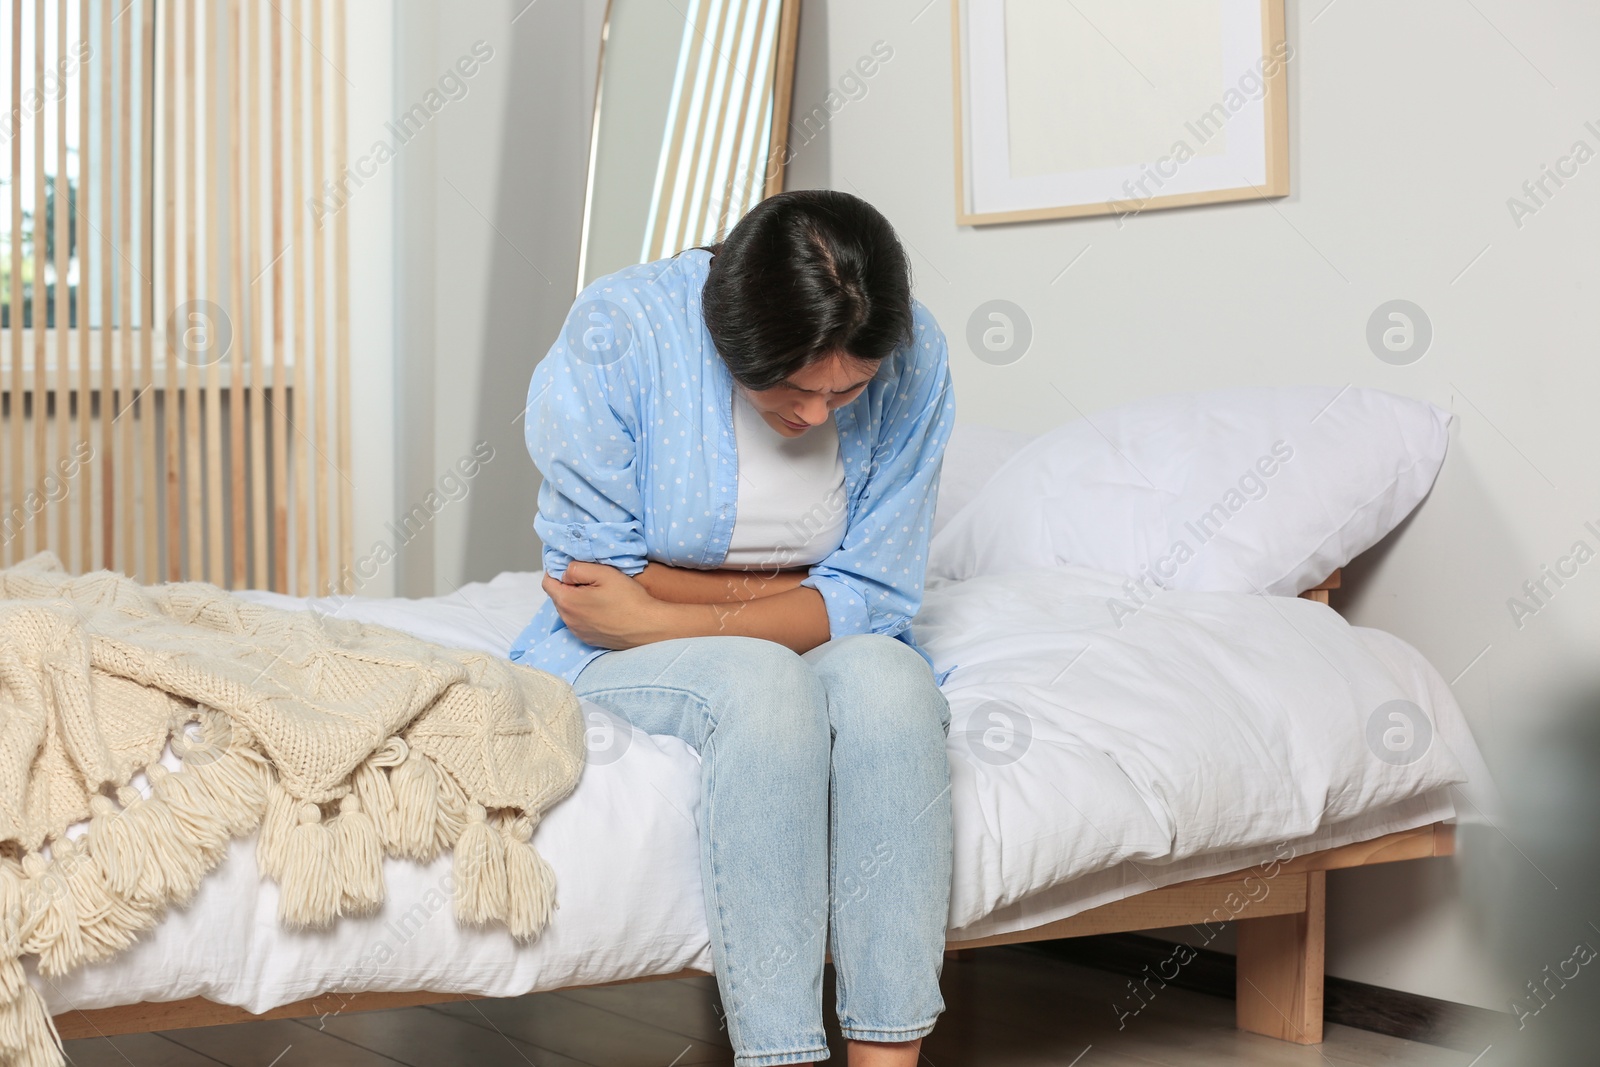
x: 605, y: 608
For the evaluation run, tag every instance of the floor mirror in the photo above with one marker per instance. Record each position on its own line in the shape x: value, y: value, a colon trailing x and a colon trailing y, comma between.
x: 690, y: 119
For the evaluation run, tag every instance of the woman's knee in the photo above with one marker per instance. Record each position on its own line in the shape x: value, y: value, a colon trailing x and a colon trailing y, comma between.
x: 879, y: 682
x: 763, y: 686
x: 872, y: 659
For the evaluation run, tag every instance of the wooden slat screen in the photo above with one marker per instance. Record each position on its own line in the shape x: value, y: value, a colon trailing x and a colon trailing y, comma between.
x: 174, y: 322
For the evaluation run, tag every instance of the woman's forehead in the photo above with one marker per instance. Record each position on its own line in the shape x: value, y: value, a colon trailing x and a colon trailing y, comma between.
x: 837, y: 373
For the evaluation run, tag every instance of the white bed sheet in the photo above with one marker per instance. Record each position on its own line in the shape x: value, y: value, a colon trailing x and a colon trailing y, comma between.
x: 1101, y: 804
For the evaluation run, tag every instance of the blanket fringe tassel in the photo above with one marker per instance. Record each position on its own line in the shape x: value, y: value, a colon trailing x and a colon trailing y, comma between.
x: 96, y: 894
x: 530, y: 881
x: 28, y: 1036
x: 141, y: 853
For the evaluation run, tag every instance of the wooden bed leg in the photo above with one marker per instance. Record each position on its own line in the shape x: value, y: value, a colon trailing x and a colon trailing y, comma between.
x: 1280, y: 959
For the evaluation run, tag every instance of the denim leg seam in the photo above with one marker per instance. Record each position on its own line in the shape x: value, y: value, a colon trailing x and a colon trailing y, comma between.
x: 841, y: 967
x: 888, y: 1034
x: 731, y: 1009
x: 783, y: 1059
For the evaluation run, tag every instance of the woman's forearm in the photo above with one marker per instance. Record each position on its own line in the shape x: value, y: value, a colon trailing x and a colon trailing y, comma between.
x: 795, y: 618
x: 682, y: 585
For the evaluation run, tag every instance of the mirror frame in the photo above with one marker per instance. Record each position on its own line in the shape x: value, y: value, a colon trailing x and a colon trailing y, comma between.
x: 777, y: 156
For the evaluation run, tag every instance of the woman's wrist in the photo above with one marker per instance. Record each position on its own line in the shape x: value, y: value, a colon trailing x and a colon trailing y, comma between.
x: 667, y: 621
x: 648, y: 579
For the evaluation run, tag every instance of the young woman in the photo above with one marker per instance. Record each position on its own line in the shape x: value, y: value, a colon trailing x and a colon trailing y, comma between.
x: 740, y: 448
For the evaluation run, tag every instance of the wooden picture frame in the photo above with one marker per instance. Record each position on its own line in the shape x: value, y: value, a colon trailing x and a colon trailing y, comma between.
x: 783, y: 96
x: 988, y: 191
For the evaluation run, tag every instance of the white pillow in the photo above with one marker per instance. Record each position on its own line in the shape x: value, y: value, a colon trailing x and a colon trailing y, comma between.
x: 971, y: 457
x: 1260, y: 490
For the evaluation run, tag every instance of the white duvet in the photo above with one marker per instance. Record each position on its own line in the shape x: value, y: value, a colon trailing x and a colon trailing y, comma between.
x: 1094, y: 753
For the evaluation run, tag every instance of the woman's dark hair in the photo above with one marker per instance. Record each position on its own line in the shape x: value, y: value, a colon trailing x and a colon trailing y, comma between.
x: 805, y: 275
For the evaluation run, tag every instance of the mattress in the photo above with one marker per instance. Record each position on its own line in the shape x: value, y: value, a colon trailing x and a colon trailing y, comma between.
x: 1093, y: 757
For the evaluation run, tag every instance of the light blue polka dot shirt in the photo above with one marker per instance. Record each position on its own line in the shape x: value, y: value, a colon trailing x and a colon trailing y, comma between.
x: 630, y: 420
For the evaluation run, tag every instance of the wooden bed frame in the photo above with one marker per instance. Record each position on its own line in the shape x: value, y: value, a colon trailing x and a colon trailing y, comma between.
x: 1279, y: 909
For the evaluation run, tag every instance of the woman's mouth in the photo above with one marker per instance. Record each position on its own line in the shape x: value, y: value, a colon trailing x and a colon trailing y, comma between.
x: 798, y: 427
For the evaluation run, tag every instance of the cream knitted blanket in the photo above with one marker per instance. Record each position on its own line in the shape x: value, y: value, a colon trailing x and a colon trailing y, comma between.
x: 340, y: 742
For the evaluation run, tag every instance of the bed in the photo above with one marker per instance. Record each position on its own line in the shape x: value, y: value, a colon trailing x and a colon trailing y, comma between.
x: 632, y: 911
x: 1196, y: 758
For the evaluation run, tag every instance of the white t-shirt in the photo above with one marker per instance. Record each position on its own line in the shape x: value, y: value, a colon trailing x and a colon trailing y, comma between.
x: 791, y: 509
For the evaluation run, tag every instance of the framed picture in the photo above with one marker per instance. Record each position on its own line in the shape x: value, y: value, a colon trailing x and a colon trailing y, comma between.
x: 1068, y: 108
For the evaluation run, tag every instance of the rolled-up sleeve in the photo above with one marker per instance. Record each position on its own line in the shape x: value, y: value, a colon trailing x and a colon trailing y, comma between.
x: 873, y: 582
x: 582, y: 433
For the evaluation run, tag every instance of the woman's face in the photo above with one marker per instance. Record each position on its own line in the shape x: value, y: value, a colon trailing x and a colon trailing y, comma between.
x: 808, y: 396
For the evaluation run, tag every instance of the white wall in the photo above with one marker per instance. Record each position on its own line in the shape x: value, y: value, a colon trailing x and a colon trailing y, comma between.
x: 1411, y: 125
x: 370, y: 69
x: 490, y: 209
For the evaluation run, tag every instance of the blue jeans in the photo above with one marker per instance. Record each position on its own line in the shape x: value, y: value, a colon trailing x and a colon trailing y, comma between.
x: 844, y: 746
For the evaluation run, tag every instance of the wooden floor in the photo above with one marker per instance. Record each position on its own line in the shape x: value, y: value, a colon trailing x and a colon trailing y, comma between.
x: 1006, y: 1007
